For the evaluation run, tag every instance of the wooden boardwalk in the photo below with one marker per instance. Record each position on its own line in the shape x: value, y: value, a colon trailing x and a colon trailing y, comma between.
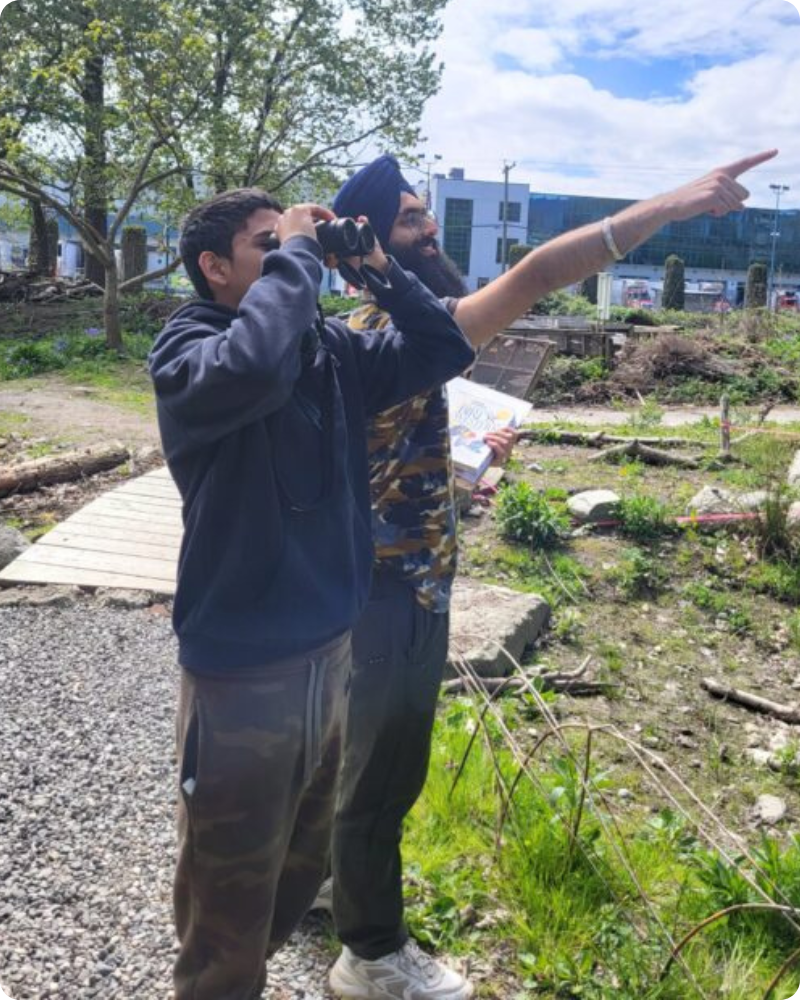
x: 127, y: 538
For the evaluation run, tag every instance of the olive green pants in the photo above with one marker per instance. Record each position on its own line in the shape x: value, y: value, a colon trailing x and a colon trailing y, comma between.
x: 259, y: 755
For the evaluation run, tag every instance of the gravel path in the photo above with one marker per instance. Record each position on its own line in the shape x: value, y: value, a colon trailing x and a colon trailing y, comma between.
x: 87, y: 795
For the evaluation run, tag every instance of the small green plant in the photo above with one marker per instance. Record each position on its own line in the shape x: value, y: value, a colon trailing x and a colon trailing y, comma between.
x: 523, y: 515
x: 639, y: 574
x: 648, y: 416
x: 643, y: 518
x: 568, y: 625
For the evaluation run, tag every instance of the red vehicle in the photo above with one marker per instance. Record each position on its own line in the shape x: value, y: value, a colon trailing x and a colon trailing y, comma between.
x: 789, y: 301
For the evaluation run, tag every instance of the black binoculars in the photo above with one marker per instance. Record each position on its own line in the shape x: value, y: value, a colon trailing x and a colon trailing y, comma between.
x: 341, y: 238
x: 346, y: 238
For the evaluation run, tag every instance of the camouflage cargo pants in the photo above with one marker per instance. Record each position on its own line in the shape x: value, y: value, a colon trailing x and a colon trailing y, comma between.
x: 259, y: 754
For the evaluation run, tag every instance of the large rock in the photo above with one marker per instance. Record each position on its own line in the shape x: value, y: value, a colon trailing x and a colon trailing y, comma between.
x: 593, y: 505
x: 485, y: 620
x: 715, y: 500
x: 12, y: 544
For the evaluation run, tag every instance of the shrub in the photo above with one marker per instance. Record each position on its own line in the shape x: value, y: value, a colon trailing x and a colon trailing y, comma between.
x: 643, y: 518
x: 674, y: 296
x: 523, y: 515
x: 755, y: 293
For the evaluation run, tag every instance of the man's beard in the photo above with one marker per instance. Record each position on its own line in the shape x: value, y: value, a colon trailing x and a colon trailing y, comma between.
x: 438, y: 272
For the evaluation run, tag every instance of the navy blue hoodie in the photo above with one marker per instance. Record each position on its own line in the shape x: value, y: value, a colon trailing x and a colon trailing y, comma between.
x: 265, y: 438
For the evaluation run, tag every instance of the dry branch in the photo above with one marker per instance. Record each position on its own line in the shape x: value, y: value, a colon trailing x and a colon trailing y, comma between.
x: 564, y: 682
x: 786, y: 713
x: 653, y: 456
x: 28, y: 476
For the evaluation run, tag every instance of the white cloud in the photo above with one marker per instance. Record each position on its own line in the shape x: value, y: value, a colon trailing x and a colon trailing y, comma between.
x: 568, y: 135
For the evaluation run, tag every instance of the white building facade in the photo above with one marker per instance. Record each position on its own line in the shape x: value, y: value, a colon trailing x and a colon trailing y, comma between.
x: 470, y: 215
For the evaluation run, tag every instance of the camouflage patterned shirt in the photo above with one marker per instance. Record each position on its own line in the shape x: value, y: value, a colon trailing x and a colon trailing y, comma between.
x: 411, y: 485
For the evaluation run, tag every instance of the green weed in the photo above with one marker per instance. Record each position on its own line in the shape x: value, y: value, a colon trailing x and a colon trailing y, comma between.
x: 524, y: 515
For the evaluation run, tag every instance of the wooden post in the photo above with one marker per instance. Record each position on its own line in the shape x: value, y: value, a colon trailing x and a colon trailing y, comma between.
x: 725, y: 427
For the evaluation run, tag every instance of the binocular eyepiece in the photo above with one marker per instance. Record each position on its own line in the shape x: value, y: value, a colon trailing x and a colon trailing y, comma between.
x: 346, y: 238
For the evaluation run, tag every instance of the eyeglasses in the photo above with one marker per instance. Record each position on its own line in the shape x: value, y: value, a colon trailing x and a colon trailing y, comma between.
x: 417, y: 219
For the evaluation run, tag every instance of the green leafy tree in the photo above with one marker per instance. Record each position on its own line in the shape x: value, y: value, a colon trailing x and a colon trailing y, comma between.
x: 106, y: 107
x: 755, y: 293
x: 589, y: 288
x: 517, y: 252
x: 674, y: 283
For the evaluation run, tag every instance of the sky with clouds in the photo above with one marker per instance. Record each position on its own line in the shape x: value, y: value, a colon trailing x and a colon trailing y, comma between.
x: 614, y: 98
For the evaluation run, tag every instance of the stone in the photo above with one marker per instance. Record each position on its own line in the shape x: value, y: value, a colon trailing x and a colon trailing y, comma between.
x: 486, y: 620
x: 593, y: 505
x: 769, y: 810
x: 124, y: 599
x: 793, y: 476
x: 715, y: 500
x: 12, y: 544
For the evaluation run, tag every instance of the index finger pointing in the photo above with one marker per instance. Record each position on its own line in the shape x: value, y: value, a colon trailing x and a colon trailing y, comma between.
x: 742, y: 166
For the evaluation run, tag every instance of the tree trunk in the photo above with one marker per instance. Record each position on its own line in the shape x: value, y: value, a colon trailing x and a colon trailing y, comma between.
x: 52, y: 244
x: 95, y: 203
x: 39, y: 262
x: 111, y: 319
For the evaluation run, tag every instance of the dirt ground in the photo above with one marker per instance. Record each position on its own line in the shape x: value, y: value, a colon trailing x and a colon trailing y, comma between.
x: 53, y: 409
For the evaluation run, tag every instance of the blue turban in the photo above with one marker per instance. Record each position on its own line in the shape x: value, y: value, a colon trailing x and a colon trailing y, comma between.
x: 375, y: 192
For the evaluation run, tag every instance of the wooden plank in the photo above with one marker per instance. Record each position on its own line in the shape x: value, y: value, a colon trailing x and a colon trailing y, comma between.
x: 19, y: 572
x: 155, y: 490
x: 146, y: 502
x: 116, y: 532
x: 117, y: 520
x: 105, y: 507
x: 67, y: 539
x: 53, y: 555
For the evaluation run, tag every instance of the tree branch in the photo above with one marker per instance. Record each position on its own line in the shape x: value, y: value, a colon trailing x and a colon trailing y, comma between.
x: 136, y: 187
x: 15, y: 184
x: 141, y: 279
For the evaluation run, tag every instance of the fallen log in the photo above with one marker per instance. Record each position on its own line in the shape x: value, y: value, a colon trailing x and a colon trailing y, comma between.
x: 62, y: 468
x: 653, y: 456
x: 786, y: 713
x: 599, y: 439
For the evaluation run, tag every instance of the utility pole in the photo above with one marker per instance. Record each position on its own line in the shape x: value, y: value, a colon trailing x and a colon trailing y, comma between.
x: 507, y: 168
x: 778, y: 189
x: 429, y: 164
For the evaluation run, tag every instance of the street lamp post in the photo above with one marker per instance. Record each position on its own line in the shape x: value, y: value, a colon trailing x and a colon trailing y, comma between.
x: 778, y: 189
x: 428, y: 165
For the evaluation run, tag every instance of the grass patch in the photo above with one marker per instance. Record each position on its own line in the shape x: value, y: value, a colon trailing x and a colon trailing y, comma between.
x: 564, y: 911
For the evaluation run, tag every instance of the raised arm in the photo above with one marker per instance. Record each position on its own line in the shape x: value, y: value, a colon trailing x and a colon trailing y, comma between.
x: 585, y: 251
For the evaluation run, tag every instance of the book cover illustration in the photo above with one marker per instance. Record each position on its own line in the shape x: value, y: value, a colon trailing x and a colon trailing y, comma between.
x: 475, y: 410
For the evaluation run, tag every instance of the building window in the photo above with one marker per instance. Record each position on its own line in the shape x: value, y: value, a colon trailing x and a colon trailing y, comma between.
x: 509, y: 243
x: 482, y: 282
x: 458, y: 231
x: 514, y: 211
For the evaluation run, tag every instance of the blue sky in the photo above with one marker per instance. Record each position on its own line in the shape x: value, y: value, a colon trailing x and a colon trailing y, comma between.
x: 608, y: 97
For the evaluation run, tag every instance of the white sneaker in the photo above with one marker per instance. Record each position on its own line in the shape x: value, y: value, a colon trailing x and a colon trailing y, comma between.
x: 324, y: 900
x: 408, y: 974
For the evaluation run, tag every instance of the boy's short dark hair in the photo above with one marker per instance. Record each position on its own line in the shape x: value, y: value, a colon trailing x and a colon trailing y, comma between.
x: 213, y: 224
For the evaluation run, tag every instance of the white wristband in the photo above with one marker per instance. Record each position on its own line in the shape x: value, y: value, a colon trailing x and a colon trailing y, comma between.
x: 608, y: 239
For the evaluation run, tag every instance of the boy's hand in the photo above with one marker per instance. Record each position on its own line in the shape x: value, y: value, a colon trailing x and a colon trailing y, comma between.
x: 376, y: 259
x: 298, y: 220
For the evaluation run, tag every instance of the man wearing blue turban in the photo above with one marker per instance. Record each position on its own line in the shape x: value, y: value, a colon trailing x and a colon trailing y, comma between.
x: 400, y: 644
